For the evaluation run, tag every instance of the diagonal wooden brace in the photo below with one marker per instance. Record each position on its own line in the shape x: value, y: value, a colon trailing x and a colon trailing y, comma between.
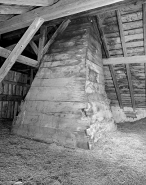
x: 33, y: 28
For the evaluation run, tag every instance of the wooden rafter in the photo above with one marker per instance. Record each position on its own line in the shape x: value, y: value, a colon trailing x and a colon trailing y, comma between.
x: 125, y: 60
x: 20, y: 47
x: 42, y: 41
x: 5, y: 9
x: 29, y: 2
x: 61, y: 28
x: 111, y: 67
x: 125, y: 55
x: 34, y: 47
x: 21, y: 59
x: 60, y: 9
x: 144, y: 35
x: 11, y: 47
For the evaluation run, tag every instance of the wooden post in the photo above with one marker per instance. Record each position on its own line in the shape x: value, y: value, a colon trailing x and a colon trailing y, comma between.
x: 42, y: 40
x: 20, y: 47
x: 34, y: 47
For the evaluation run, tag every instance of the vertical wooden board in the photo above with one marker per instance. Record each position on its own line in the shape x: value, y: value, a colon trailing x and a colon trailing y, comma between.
x: 10, y: 89
x: 12, y: 109
x: 4, y: 109
x: 9, y: 110
x: 25, y: 89
x: 6, y: 88
x: 14, y: 89
x: 21, y: 89
x: 0, y: 109
x: 1, y: 88
x: 15, y: 76
x: 15, y: 108
x: 17, y: 90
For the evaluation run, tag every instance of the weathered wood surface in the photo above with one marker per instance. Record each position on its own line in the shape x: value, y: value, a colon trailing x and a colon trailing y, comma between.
x: 20, y: 47
x: 68, y: 90
x: 61, y: 9
x: 54, y: 107
x: 56, y: 94
x: 12, y: 90
x: 21, y: 59
x: 28, y: 2
x: 58, y: 82
x: 132, y: 18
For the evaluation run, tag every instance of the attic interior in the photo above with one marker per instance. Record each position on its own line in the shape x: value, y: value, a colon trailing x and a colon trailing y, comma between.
x: 72, y: 92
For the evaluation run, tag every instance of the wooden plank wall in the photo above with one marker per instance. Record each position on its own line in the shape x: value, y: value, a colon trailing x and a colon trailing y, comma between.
x: 68, y: 91
x: 12, y: 90
x: 132, y: 23
x: 53, y: 108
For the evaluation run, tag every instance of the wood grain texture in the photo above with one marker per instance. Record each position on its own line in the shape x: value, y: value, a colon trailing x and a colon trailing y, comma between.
x: 21, y: 59
x: 20, y: 47
x: 28, y: 2
x: 48, y: 13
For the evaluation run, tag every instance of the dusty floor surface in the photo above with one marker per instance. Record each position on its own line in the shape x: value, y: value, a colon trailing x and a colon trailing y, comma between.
x: 119, y: 159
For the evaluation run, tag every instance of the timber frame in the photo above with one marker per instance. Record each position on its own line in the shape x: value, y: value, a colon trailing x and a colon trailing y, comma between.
x: 51, y: 17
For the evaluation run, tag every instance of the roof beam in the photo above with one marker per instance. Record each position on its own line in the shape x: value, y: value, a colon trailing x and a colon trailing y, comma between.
x: 61, y: 9
x: 111, y: 67
x: 5, y: 9
x: 21, y: 59
x: 125, y: 60
x: 125, y: 55
x: 42, y: 41
x: 20, y: 47
x: 34, y: 47
x: 29, y: 2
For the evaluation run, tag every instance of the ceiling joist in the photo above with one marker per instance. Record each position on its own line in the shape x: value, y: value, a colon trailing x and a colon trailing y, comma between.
x: 20, y: 47
x: 5, y: 9
x: 21, y: 59
x: 60, y: 9
x: 125, y: 60
x: 28, y: 2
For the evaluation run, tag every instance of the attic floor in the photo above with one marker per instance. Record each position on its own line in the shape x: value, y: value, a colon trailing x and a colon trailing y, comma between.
x: 119, y: 159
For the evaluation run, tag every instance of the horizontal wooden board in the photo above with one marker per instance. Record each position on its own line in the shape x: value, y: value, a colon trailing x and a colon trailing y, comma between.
x: 66, y: 55
x: 62, y: 72
x: 59, y: 82
x: 6, y: 97
x: 69, y: 123
x: 56, y: 94
x: 52, y: 107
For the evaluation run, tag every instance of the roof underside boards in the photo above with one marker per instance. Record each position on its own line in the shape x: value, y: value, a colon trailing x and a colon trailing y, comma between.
x: 130, y: 30
x: 133, y: 35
